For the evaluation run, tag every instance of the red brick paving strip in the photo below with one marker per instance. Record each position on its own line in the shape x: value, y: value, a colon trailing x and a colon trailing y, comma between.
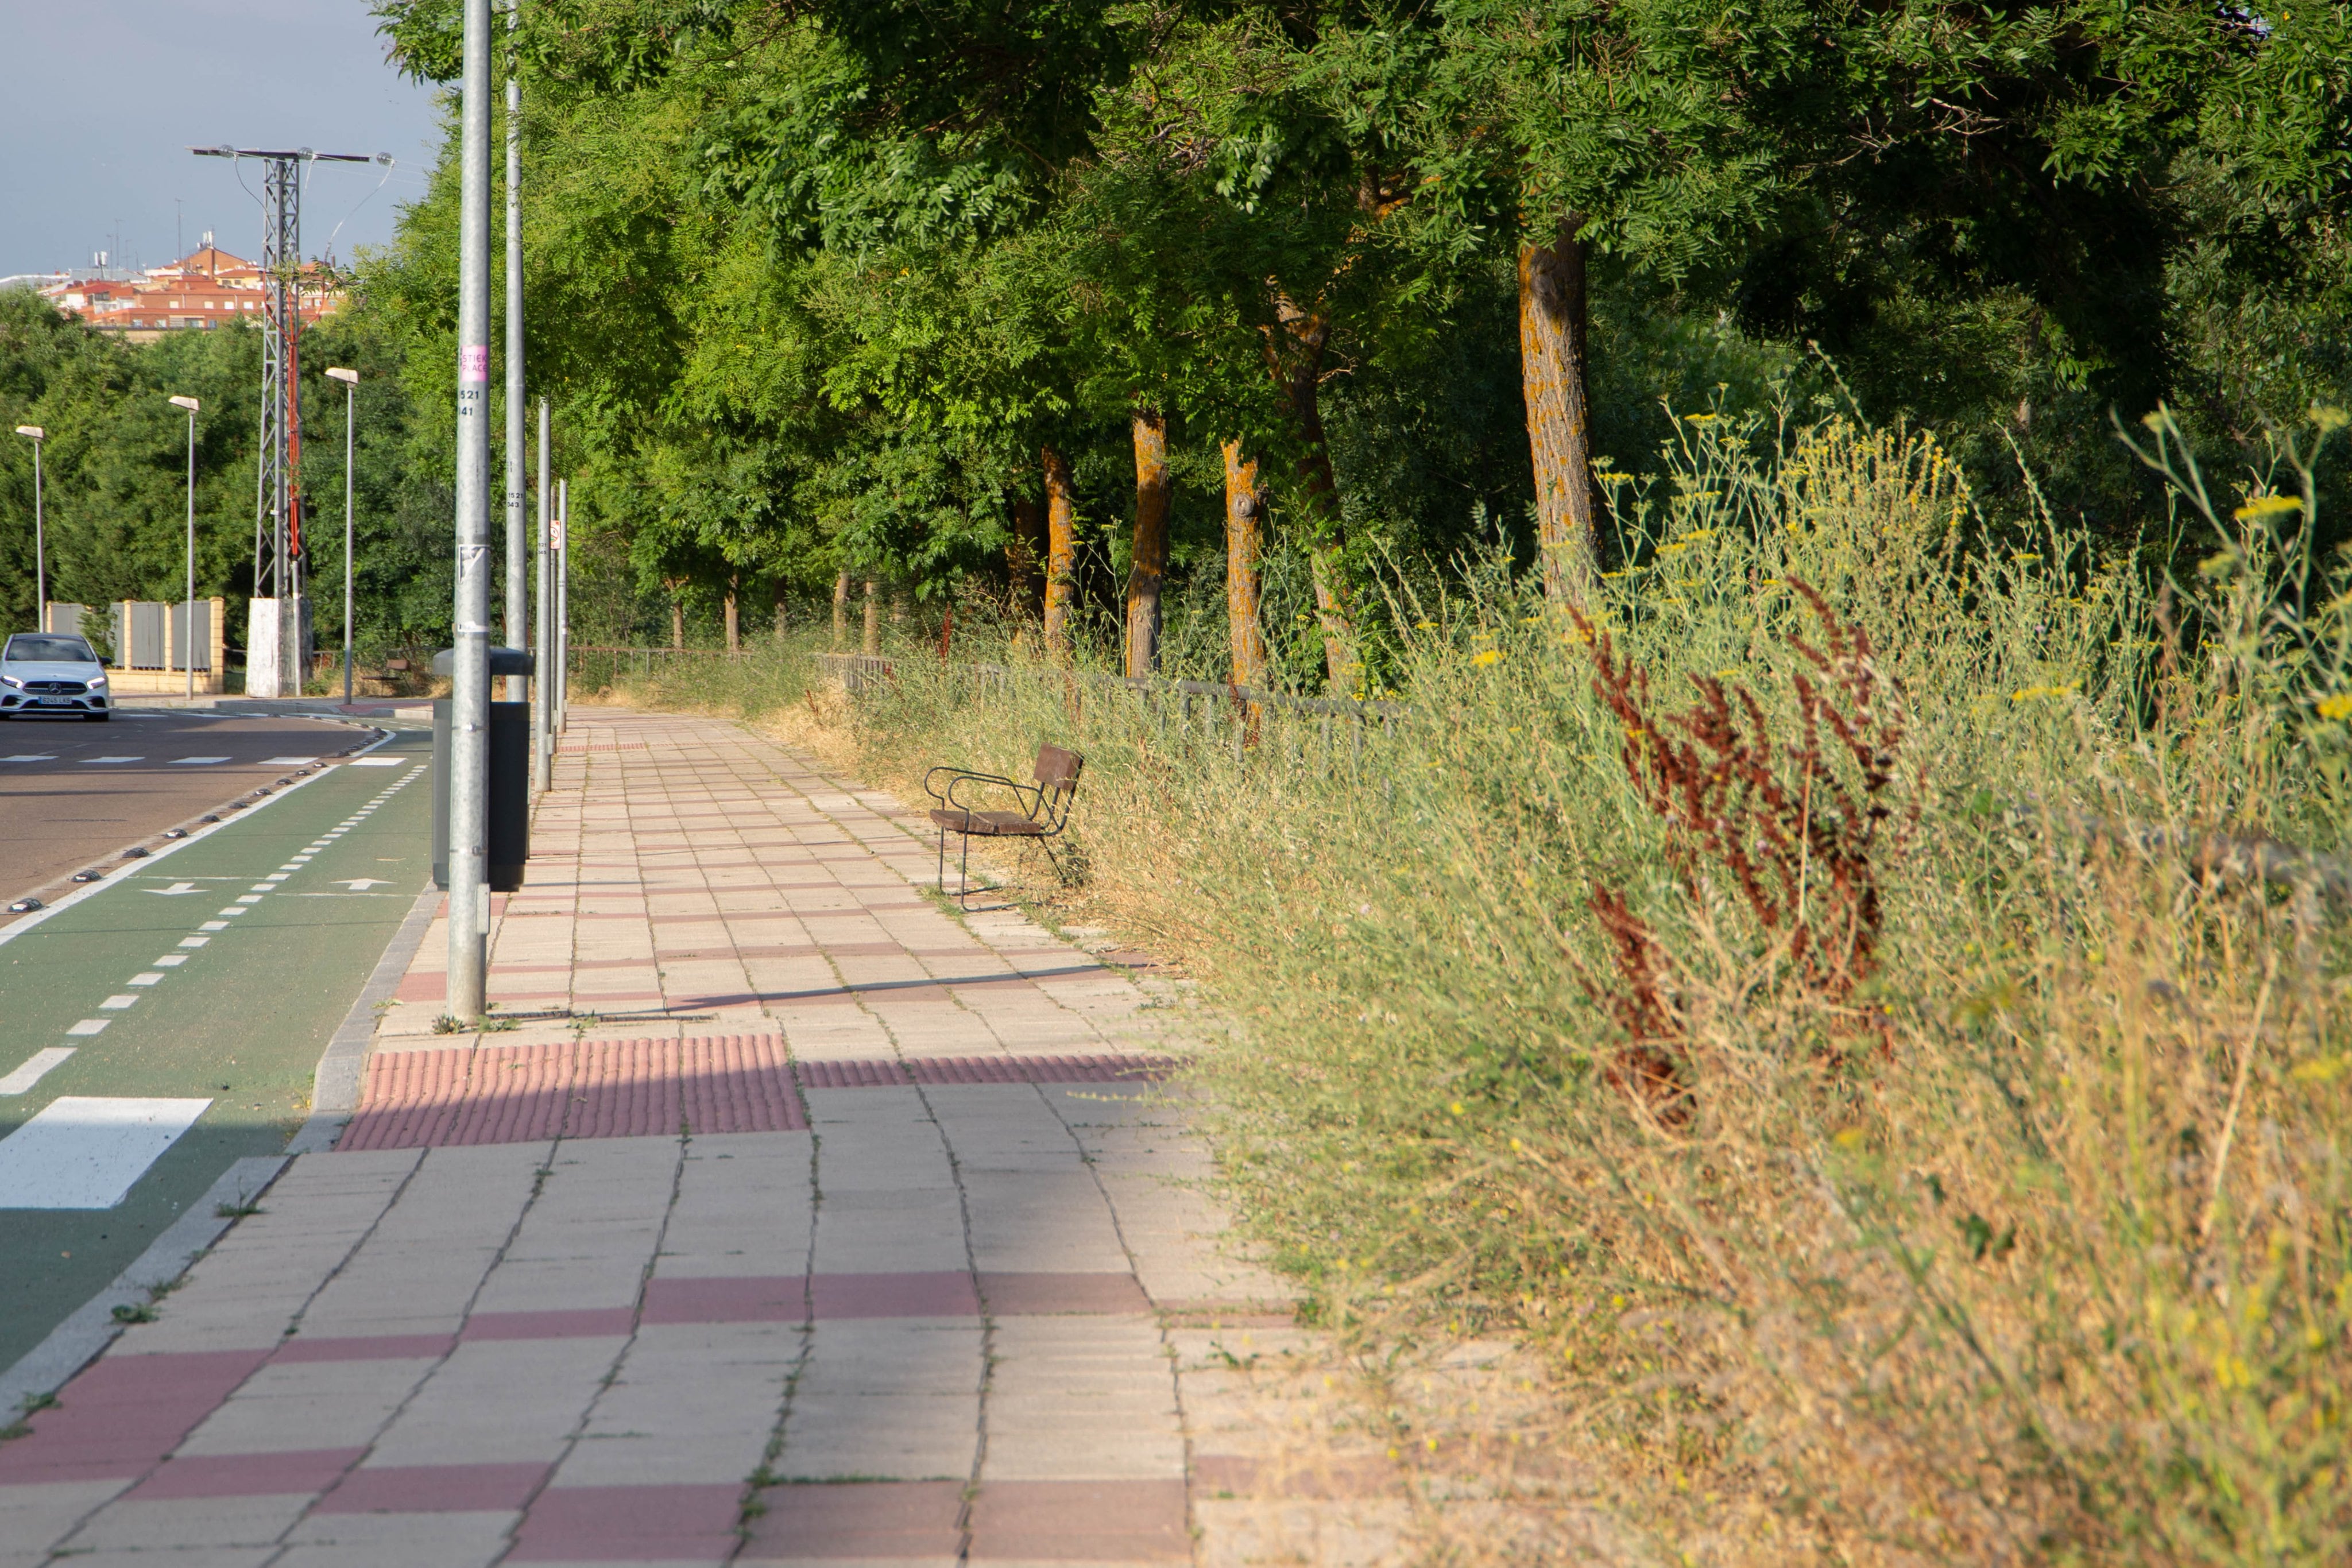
x: 638, y: 1088
x: 1086, y: 1522
x: 434, y: 1489
x: 245, y: 1475
x: 630, y: 1524
x: 901, y: 1521
x: 124, y: 1413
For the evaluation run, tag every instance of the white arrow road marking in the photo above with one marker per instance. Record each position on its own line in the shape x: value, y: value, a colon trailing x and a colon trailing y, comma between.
x: 36, y: 1068
x: 173, y: 891
x: 86, y: 1152
x: 361, y: 884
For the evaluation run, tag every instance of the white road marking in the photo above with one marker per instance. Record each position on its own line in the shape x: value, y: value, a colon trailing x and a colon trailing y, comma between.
x: 117, y: 1003
x: 91, y: 1026
x: 196, y: 761
x: 361, y: 884
x: 173, y: 891
x: 211, y: 925
x: 172, y: 960
x: 243, y: 898
x: 91, y: 761
x: 87, y: 1152
x: 31, y: 757
x: 269, y: 884
x: 375, y: 762
x: 286, y: 761
x: 36, y: 1068
x: 146, y: 978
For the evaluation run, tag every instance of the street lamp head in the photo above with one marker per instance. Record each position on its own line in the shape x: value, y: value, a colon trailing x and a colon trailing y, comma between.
x: 187, y: 402
x: 35, y: 431
x: 337, y: 373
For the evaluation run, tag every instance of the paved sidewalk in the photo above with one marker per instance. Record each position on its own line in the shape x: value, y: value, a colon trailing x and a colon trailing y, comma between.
x: 793, y: 1219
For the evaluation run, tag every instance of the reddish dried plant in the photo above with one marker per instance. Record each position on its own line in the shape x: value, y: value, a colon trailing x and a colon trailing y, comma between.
x: 1800, y: 828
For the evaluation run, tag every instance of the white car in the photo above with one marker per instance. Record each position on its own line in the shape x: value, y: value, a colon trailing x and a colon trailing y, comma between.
x: 51, y: 673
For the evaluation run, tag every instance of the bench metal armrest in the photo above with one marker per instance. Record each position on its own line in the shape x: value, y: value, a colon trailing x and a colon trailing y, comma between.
x: 959, y: 776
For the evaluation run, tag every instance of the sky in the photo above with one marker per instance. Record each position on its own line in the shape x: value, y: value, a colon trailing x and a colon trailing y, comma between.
x: 100, y: 100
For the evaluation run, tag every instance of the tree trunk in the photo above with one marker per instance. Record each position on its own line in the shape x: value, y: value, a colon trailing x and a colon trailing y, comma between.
x: 1061, y: 555
x: 734, y: 620
x: 1150, y: 563
x: 872, y: 644
x: 1245, y: 538
x: 780, y: 614
x: 1024, y: 556
x: 1552, y: 373
x: 676, y: 612
x: 840, y: 610
x: 1294, y: 353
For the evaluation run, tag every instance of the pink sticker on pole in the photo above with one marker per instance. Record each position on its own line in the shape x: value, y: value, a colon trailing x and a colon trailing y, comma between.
x: 474, y: 362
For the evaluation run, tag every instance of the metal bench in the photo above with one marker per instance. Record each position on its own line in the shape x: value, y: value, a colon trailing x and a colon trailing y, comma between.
x: 1046, y: 811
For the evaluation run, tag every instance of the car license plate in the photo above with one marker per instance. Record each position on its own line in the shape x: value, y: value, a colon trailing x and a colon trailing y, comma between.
x: 54, y: 702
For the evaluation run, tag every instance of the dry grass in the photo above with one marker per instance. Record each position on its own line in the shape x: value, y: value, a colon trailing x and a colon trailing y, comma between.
x: 2028, y: 1240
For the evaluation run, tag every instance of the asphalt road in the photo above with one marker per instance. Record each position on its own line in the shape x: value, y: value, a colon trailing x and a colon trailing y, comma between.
x: 75, y: 795
x: 210, y: 978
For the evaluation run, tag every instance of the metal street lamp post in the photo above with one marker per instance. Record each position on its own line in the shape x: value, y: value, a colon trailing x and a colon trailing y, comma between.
x: 469, y: 682
x: 542, y: 685
x: 351, y: 379
x: 188, y: 614
x: 40, y: 566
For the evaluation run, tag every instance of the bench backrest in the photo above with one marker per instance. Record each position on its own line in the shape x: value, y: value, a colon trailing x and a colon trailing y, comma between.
x: 1057, y: 771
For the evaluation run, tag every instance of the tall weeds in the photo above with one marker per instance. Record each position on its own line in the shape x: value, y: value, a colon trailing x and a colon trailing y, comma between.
x: 1982, y: 1193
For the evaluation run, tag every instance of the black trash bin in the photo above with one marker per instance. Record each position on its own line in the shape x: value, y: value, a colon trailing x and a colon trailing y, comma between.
x: 509, y: 777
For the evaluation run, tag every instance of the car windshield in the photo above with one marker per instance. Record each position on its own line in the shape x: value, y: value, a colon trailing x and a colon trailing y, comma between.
x: 48, y: 649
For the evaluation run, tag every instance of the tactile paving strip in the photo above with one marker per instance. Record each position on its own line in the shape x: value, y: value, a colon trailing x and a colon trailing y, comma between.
x: 638, y: 1088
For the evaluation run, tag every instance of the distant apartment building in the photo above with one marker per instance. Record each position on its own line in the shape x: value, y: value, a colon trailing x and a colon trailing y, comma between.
x: 197, y: 293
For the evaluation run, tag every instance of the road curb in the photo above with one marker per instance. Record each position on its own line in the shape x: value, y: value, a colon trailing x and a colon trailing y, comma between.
x: 335, y: 1086
x: 73, y: 1344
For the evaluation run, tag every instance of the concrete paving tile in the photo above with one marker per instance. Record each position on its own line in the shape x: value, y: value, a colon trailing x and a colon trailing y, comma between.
x: 910, y: 1355
x: 880, y: 1436
x: 500, y: 1401
x: 43, y: 1512
x: 473, y: 1539
x: 184, y: 1557
x: 307, y: 1405
x: 179, y: 1524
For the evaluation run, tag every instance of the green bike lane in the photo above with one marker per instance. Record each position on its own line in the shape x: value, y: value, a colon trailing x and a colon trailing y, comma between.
x: 217, y: 973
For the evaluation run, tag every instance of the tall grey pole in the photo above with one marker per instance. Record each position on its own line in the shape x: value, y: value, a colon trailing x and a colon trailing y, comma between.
x: 563, y: 607
x: 40, y: 548
x: 188, y: 615
x: 351, y: 424
x: 518, y: 526
x: 542, y: 685
x: 469, y: 686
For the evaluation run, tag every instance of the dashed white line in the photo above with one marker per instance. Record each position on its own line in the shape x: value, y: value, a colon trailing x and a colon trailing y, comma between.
x: 196, y: 761
x: 34, y: 1068
x: 173, y: 960
x: 91, y: 1026
x: 145, y: 977
x: 116, y: 1003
